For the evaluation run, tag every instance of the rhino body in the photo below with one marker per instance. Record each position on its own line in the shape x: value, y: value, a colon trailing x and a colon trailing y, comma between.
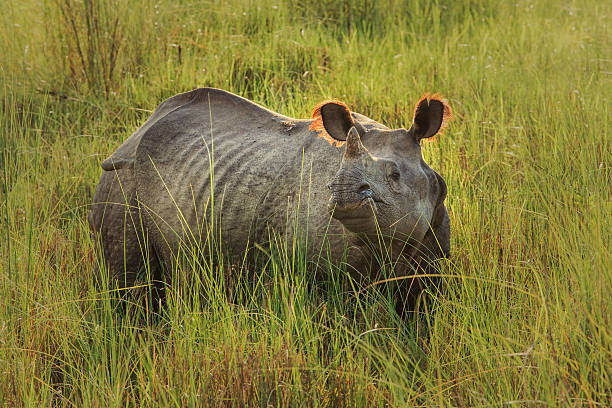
x: 211, y: 161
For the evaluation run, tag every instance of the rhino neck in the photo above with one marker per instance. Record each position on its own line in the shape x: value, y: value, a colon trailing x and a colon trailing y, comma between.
x: 295, y: 201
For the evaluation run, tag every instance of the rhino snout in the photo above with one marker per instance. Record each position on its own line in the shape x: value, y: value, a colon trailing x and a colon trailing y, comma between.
x: 347, y: 202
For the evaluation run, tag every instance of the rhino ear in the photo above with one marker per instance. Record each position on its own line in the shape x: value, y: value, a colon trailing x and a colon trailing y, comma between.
x: 337, y: 119
x: 431, y: 116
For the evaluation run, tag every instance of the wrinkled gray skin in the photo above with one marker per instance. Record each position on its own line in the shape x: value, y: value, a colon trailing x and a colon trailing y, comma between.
x: 269, y: 171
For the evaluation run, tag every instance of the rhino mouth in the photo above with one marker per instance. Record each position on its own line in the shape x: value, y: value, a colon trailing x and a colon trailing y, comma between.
x: 361, y: 205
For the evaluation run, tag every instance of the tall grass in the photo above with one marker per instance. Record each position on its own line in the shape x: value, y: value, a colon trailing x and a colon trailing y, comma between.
x: 526, y: 316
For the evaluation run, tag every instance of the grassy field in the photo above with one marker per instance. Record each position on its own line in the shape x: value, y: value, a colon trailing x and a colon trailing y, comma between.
x: 526, y: 317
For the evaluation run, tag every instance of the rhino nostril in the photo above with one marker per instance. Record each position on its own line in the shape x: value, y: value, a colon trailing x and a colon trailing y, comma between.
x: 329, y: 186
x: 364, y: 188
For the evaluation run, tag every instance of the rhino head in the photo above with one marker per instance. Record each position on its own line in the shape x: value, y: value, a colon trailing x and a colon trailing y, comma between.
x: 383, y: 186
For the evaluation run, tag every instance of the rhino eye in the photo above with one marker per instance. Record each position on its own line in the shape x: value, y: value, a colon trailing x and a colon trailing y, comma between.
x: 395, y: 175
x: 393, y: 172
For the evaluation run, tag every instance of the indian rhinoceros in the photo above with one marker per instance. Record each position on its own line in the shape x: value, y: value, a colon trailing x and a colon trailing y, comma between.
x: 351, y: 189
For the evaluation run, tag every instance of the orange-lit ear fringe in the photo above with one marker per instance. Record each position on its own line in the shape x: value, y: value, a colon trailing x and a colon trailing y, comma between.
x: 317, y: 123
x: 447, y: 115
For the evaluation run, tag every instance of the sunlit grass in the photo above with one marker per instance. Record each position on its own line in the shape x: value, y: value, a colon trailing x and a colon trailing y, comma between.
x: 525, y: 315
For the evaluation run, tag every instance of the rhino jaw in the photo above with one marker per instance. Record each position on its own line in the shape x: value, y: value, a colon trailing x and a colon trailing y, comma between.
x: 355, y: 210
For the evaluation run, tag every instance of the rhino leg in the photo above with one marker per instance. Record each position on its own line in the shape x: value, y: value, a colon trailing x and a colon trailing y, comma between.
x: 435, y: 245
x: 116, y: 224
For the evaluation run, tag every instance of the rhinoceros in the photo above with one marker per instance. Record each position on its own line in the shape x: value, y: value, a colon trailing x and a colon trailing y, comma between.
x: 351, y: 189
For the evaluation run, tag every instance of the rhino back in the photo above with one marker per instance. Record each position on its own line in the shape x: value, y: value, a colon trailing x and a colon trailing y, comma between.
x: 258, y: 162
x: 124, y: 156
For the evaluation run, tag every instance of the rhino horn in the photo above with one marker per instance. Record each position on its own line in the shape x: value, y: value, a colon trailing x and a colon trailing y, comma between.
x: 354, y: 147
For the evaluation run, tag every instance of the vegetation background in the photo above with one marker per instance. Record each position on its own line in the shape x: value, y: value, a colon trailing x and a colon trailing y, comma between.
x: 526, y: 318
